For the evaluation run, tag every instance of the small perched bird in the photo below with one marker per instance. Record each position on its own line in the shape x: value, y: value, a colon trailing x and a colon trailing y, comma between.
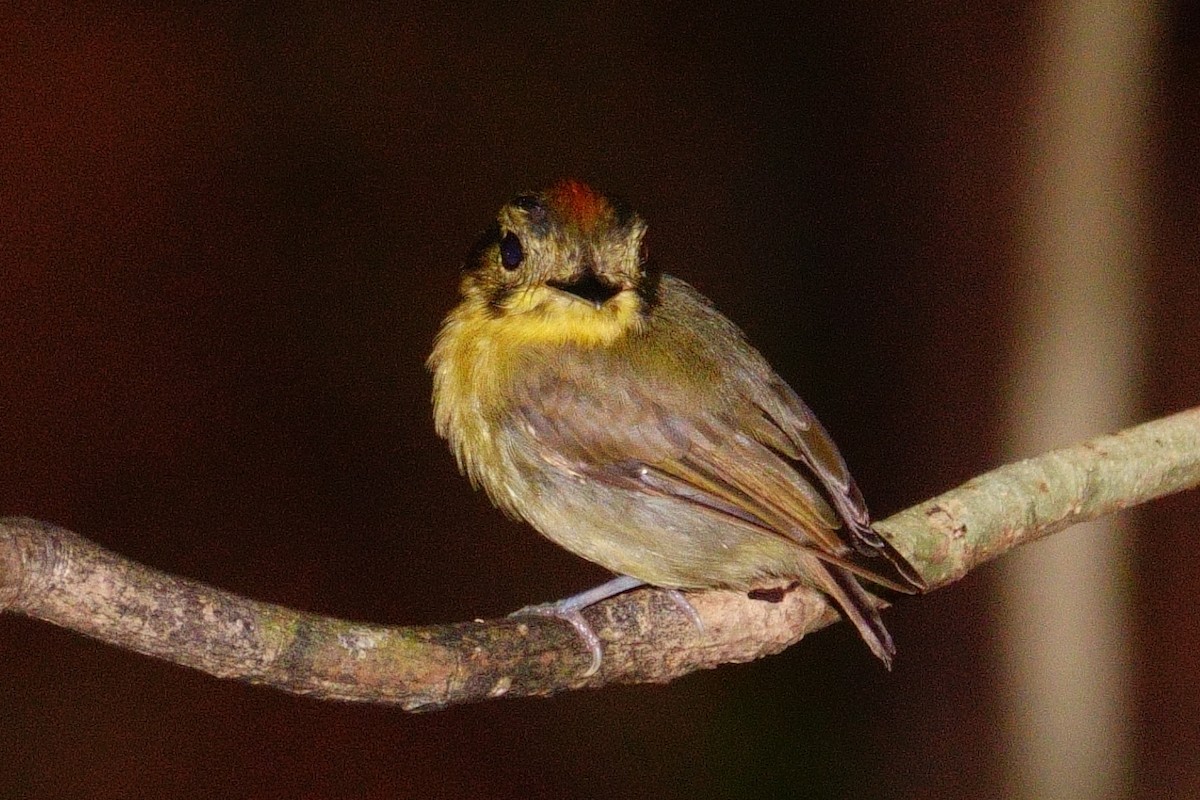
x: 618, y: 412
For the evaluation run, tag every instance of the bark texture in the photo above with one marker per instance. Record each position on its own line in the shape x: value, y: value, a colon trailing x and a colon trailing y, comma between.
x: 55, y: 575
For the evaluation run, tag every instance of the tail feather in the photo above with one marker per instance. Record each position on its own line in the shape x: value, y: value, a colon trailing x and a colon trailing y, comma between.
x: 857, y: 606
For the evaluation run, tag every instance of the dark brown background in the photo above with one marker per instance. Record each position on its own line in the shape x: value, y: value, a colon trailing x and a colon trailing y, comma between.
x: 227, y: 238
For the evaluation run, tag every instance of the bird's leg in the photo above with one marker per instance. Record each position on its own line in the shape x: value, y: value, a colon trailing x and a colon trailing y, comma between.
x: 570, y: 610
x: 684, y: 605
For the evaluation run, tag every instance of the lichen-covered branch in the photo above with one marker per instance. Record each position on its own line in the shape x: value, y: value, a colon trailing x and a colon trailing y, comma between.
x: 55, y: 575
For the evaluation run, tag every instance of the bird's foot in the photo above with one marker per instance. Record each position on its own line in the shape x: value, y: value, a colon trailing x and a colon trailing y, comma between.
x: 570, y: 610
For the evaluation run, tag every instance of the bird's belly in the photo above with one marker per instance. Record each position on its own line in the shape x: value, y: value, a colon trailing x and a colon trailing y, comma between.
x: 661, y: 540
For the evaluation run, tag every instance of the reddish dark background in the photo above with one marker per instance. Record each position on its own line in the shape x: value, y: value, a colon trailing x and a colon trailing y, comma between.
x: 227, y: 236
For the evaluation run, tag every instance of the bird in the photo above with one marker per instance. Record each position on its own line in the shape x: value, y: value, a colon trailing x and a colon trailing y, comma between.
x: 612, y: 407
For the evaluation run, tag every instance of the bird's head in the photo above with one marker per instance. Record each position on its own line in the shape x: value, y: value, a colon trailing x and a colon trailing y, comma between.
x: 565, y: 265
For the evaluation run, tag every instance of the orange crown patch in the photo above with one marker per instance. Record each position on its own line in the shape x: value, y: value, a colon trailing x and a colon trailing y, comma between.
x: 578, y: 202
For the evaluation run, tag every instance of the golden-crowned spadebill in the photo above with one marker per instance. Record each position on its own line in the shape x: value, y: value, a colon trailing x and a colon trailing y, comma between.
x: 619, y: 413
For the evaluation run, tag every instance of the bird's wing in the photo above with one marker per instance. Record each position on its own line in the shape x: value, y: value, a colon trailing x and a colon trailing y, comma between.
x: 739, y: 471
x: 790, y: 427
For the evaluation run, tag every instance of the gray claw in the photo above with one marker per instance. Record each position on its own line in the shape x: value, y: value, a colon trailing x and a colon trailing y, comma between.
x: 568, y: 613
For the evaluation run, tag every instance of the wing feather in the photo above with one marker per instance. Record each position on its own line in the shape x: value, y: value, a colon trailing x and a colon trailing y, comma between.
x: 739, y: 470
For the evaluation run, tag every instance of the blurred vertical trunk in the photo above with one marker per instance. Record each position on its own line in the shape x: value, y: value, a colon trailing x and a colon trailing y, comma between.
x: 1066, y: 649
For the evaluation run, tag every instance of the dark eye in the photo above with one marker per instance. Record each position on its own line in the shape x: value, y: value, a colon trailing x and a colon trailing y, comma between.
x: 511, y: 253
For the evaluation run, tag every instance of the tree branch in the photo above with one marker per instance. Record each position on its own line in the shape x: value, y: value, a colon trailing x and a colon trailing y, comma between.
x: 55, y: 575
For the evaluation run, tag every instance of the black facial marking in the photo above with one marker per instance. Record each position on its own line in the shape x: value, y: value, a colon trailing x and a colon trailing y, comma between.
x: 533, y: 207
x: 647, y: 287
x: 622, y: 212
x: 526, y: 202
x: 478, y: 253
